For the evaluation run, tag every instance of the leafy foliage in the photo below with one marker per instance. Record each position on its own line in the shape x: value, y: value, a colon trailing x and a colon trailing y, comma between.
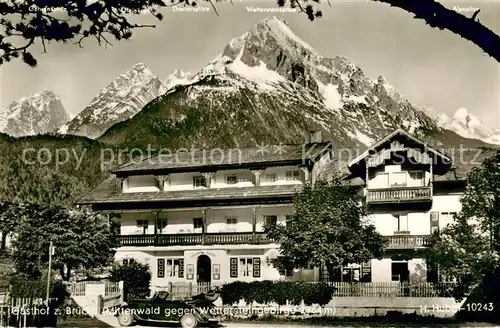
x: 279, y: 292
x: 327, y: 229
x: 136, y: 279
x: 469, y: 248
x: 21, y: 286
x: 82, y: 239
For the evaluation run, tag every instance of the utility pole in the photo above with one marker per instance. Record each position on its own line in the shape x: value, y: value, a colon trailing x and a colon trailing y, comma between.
x: 51, y: 251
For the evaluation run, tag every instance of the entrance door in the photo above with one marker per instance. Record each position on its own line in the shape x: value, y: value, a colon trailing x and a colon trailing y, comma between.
x: 204, y: 268
x: 400, y: 271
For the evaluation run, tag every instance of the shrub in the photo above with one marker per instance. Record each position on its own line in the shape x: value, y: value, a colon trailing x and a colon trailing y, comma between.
x: 265, y: 292
x: 22, y: 287
x: 136, y: 279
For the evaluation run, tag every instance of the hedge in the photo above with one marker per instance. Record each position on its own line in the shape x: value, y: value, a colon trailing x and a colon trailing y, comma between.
x: 265, y: 292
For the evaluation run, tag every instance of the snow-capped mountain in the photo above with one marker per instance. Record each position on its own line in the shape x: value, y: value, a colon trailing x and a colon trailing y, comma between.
x: 268, y: 85
x: 119, y: 101
x: 37, y: 114
x: 178, y: 77
x: 466, y: 125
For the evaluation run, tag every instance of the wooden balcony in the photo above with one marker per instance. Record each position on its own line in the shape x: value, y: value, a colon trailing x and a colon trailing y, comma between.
x: 407, y: 241
x: 399, y: 194
x: 232, y: 238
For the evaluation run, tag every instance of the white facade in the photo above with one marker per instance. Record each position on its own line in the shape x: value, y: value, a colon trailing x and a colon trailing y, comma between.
x: 404, y: 204
x: 178, y: 242
x: 272, y: 176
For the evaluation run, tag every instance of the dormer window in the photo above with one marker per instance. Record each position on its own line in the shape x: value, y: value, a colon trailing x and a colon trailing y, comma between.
x: 231, y: 179
x: 199, y: 182
x: 292, y: 176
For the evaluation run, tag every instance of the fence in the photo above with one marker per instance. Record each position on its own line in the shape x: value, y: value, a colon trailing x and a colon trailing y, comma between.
x: 27, y: 312
x: 183, y: 290
x: 392, y: 289
x: 341, y: 289
x: 79, y: 288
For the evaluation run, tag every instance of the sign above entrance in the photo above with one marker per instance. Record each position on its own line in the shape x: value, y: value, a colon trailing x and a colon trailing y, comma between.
x: 202, y: 253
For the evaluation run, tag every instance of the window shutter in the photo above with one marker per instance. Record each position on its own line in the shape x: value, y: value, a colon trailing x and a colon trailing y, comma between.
x: 366, y: 272
x: 256, y: 267
x: 181, y: 268
x: 161, y: 268
x: 233, y: 263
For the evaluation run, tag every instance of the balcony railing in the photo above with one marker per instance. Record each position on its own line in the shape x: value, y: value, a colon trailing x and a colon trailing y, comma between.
x: 407, y: 241
x: 390, y: 195
x: 233, y: 238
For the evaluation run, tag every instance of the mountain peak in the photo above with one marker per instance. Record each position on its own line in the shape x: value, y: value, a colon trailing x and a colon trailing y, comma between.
x: 139, y: 67
x: 40, y: 112
x: 463, y: 116
x: 120, y: 100
x: 178, y: 77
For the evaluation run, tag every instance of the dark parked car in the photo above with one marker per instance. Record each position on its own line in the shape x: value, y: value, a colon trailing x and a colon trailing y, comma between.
x: 189, y: 313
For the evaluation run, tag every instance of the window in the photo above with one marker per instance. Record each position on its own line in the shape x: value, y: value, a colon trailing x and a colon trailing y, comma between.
x: 292, y: 176
x: 161, y: 224
x: 231, y: 179
x: 417, y: 178
x: 142, y: 226
x: 270, y: 220
x: 198, y: 223
x: 270, y: 177
x: 231, y: 220
x: 402, y: 221
x: 199, y: 182
x: 174, y: 268
x: 399, y: 271
x: 128, y: 261
x: 246, y: 267
x: 351, y: 274
x: 398, y: 179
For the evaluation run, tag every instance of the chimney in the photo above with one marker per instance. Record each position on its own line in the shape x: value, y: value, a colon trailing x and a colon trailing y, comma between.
x: 315, y: 136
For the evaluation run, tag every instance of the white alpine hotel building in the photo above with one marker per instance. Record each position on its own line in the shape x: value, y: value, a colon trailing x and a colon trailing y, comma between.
x: 199, y: 216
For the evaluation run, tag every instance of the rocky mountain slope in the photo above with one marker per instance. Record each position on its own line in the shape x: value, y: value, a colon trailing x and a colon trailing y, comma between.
x: 120, y: 100
x: 466, y: 125
x: 37, y: 114
x: 269, y: 86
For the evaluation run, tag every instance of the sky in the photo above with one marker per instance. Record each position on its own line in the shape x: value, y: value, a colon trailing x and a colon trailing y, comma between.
x: 431, y: 67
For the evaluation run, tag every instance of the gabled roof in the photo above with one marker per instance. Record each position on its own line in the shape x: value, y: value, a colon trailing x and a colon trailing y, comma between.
x: 401, y: 133
x: 216, y: 159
